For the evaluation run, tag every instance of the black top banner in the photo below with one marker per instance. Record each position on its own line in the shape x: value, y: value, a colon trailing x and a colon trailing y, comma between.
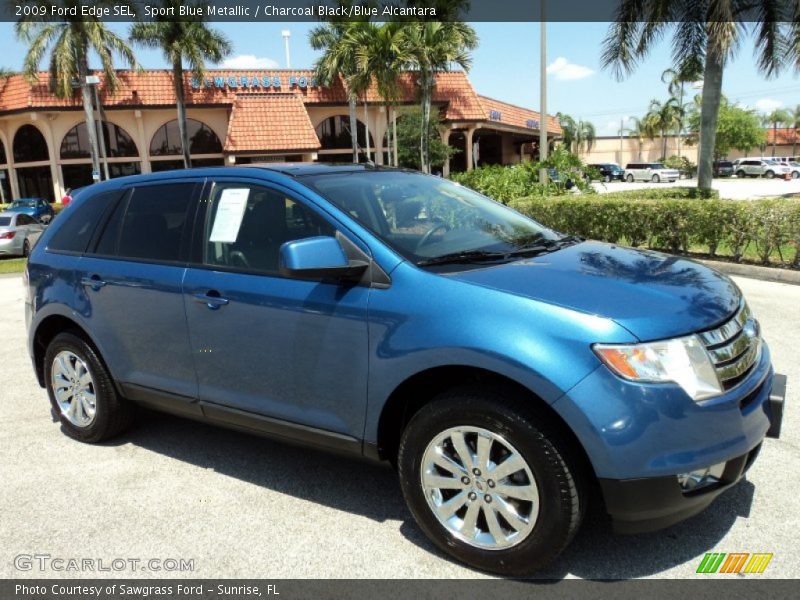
x: 281, y: 11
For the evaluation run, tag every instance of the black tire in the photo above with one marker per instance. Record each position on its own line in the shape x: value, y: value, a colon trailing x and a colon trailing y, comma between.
x: 769, y: 174
x: 629, y: 178
x: 656, y: 179
x: 741, y: 174
x: 607, y: 178
x: 26, y: 248
x: 795, y: 174
x: 559, y: 479
x: 113, y: 415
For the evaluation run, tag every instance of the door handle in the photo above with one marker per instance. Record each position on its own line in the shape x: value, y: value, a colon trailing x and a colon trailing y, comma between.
x: 211, y: 299
x: 93, y: 282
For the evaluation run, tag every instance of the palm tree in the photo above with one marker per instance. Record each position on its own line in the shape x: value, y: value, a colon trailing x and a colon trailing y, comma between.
x: 664, y: 116
x: 340, y: 41
x: 642, y: 129
x: 576, y: 135
x: 709, y: 32
x: 70, y: 40
x: 779, y: 116
x: 383, y: 56
x: 193, y: 42
x: 435, y: 47
x: 676, y: 81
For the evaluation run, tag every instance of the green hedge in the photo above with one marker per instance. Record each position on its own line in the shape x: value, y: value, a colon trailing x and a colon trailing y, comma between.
x: 767, y: 230
x: 661, y: 193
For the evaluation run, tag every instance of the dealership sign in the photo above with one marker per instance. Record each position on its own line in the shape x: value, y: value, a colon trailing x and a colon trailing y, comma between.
x: 257, y: 82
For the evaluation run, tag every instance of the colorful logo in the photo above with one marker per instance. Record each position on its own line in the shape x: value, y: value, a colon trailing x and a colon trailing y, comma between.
x: 734, y: 562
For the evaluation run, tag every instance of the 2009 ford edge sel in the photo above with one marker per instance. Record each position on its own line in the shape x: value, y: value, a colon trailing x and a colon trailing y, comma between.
x: 509, y: 372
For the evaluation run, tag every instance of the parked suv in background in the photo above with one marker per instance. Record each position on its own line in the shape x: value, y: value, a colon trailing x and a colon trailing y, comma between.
x: 756, y: 167
x: 723, y: 168
x: 609, y: 171
x: 511, y: 373
x: 655, y: 172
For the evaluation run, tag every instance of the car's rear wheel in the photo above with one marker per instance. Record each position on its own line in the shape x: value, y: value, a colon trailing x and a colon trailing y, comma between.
x: 81, y: 391
x: 769, y: 174
x: 741, y: 174
x: 629, y: 178
x: 795, y: 174
x: 490, y: 482
x: 607, y: 178
x: 656, y: 179
x: 26, y: 248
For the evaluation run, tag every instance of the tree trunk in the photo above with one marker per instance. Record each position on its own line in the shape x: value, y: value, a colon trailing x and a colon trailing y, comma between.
x: 709, y: 114
x: 426, y: 120
x: 366, y: 131
x: 180, y: 103
x: 663, y: 145
x: 394, y: 136
x: 389, y: 145
x: 88, y: 111
x: 353, y: 128
x: 774, y: 136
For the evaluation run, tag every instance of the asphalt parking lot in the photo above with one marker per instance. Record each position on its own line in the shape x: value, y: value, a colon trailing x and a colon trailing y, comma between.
x: 242, y: 506
x: 729, y: 187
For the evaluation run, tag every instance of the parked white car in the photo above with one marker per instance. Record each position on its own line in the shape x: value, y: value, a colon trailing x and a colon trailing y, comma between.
x: 757, y: 167
x: 655, y: 172
x: 794, y: 169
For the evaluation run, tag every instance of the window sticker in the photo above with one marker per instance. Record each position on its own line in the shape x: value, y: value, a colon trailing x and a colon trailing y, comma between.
x: 230, y: 213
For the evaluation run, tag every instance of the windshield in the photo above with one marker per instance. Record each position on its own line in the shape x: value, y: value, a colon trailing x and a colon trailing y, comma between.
x: 24, y: 204
x: 424, y: 217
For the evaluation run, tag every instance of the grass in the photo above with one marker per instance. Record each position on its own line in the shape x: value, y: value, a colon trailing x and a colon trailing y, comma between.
x: 12, y: 265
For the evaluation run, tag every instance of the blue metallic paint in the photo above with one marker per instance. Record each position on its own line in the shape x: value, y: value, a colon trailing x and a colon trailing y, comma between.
x: 313, y: 253
x: 330, y: 356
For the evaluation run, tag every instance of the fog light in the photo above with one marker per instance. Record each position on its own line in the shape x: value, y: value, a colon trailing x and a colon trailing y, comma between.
x: 700, y: 478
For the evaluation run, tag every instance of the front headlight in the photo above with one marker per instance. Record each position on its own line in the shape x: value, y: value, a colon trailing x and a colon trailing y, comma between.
x: 683, y: 361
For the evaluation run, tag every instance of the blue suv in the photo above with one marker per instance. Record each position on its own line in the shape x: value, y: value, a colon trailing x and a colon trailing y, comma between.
x: 510, y: 373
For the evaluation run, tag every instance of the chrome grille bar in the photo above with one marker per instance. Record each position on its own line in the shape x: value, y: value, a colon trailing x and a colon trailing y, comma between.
x: 732, y: 347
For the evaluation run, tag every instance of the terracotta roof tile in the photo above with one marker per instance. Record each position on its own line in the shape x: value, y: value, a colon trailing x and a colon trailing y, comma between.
x: 509, y: 114
x: 270, y: 122
x: 785, y: 136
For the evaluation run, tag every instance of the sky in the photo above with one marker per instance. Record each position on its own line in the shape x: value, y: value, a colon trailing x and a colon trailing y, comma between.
x: 506, y: 66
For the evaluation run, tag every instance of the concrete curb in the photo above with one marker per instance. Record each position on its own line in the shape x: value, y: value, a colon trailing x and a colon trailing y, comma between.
x: 779, y: 275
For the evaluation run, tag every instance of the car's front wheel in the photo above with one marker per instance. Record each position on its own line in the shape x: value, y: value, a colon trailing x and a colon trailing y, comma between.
x: 81, y: 391
x: 656, y: 179
x: 769, y: 174
x: 629, y: 178
x: 490, y: 481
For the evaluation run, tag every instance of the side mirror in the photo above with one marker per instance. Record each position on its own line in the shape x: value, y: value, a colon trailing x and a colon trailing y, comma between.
x: 319, y: 258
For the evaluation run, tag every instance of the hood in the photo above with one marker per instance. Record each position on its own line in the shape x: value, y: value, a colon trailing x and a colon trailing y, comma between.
x: 652, y: 295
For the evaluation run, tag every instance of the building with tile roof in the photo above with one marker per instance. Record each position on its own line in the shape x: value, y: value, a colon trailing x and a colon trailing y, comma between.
x: 235, y: 117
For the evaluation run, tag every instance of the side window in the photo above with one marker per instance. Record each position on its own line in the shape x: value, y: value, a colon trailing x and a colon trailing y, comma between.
x: 74, y: 234
x: 154, y: 222
x: 24, y: 220
x: 246, y: 226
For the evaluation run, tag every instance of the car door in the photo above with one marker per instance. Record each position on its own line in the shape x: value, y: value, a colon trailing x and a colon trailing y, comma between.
x: 131, y: 278
x: 291, y: 350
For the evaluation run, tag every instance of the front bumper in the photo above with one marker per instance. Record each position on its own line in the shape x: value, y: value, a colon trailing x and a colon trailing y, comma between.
x: 651, y: 503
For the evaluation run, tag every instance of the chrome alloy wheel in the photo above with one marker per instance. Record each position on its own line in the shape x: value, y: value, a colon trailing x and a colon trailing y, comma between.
x: 74, y: 389
x: 480, y: 488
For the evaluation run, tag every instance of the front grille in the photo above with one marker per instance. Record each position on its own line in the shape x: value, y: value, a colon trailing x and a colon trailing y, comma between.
x: 734, y: 347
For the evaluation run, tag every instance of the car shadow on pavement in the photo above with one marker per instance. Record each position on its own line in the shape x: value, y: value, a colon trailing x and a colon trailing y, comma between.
x: 374, y: 492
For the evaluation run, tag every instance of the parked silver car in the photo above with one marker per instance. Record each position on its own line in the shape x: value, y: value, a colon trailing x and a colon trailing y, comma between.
x: 794, y: 169
x: 18, y: 233
x: 655, y: 172
x: 758, y: 167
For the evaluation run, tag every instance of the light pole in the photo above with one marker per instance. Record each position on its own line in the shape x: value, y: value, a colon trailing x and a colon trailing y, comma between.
x: 286, y: 35
x: 543, y: 98
x: 94, y: 80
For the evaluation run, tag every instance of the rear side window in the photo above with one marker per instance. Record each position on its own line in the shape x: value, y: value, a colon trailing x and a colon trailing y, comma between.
x: 154, y: 223
x: 79, y: 223
x: 25, y: 220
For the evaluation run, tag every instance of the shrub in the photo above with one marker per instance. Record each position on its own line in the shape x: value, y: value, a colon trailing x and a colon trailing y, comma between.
x: 720, y: 227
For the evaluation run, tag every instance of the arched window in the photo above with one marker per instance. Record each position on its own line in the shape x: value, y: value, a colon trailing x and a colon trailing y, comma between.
x: 334, y: 133
x: 202, y: 140
x: 118, y: 143
x: 3, y: 159
x: 29, y: 145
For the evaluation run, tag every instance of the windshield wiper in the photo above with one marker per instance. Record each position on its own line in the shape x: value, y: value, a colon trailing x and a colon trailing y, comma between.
x: 466, y: 256
x: 543, y: 246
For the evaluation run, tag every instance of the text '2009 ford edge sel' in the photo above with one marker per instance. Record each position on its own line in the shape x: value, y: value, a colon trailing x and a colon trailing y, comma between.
x: 505, y: 369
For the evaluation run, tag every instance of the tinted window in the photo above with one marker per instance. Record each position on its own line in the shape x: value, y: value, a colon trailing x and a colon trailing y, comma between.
x: 78, y: 225
x: 155, y: 222
x: 5, y: 221
x: 202, y: 140
x: 25, y: 220
x: 29, y: 145
x: 247, y: 225
x: 118, y: 142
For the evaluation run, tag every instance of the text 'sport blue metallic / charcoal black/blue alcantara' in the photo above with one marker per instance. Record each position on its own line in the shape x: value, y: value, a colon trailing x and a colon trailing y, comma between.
x: 510, y: 373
